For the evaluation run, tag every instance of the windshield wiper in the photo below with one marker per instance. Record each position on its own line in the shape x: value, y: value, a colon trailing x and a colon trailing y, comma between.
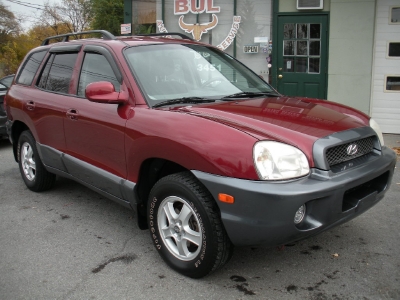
x: 251, y: 94
x: 184, y: 100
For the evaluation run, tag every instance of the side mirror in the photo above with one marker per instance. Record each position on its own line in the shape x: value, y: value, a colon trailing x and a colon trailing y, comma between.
x: 104, y: 92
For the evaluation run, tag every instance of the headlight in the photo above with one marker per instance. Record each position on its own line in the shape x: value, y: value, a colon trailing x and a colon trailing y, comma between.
x: 277, y: 161
x: 377, y: 129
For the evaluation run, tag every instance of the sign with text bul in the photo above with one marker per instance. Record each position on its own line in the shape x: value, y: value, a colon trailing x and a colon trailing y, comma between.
x: 182, y: 7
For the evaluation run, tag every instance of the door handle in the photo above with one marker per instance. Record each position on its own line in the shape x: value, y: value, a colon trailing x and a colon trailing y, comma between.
x: 72, y: 114
x: 280, y: 76
x: 30, y: 105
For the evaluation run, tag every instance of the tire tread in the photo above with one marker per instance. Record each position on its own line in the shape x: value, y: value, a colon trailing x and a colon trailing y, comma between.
x: 44, y: 180
x: 224, y: 245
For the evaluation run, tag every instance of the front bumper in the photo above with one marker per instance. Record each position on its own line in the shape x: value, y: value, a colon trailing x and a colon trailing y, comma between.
x: 263, y: 212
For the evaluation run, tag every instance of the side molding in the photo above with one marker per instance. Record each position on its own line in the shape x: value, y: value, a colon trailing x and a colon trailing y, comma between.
x: 109, y: 185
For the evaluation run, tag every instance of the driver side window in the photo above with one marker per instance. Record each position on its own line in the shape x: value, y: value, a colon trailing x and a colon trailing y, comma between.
x: 96, y: 68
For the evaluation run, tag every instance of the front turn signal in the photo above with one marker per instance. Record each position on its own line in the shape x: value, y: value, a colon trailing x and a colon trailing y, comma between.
x: 226, y: 198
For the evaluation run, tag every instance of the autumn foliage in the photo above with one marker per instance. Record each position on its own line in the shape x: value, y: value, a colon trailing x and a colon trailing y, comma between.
x: 57, y: 18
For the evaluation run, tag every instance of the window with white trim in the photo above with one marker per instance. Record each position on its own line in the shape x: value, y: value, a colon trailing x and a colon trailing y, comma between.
x: 394, y: 15
x: 393, y: 50
x: 392, y: 83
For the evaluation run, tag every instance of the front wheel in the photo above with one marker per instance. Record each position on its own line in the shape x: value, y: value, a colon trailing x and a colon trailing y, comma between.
x: 185, y: 226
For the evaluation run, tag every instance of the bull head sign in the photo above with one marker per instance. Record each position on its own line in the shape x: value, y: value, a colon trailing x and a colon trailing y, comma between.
x: 197, y: 30
x: 182, y: 7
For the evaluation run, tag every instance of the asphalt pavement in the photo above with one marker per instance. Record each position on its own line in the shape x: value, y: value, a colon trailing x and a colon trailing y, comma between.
x: 71, y: 243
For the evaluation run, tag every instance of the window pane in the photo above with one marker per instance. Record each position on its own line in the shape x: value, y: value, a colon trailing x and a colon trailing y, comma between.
x: 30, y: 68
x: 96, y: 68
x: 61, y: 72
x: 395, y: 15
x: 45, y: 72
x: 302, y: 31
x: 288, y: 64
x: 302, y: 48
x: 314, y: 47
x: 315, y: 31
x: 7, y: 81
x: 288, y: 47
x: 394, y: 49
x: 393, y: 83
x: 314, y: 65
x: 301, y: 65
x: 288, y: 31
x: 143, y: 16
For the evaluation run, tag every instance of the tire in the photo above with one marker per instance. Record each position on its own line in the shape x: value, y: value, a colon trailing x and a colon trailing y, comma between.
x: 185, y: 226
x: 34, y: 174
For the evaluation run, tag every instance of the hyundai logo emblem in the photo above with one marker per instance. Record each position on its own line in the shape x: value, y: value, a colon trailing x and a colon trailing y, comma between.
x: 352, y: 149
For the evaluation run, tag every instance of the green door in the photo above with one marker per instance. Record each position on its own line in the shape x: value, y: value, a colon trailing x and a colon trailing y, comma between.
x: 302, y: 55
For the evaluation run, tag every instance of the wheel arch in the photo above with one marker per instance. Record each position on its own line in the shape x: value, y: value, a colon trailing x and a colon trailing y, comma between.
x: 17, y: 128
x: 151, y: 171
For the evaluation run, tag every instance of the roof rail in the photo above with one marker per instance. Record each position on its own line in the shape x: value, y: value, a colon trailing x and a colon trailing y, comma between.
x: 105, y: 34
x: 183, y: 36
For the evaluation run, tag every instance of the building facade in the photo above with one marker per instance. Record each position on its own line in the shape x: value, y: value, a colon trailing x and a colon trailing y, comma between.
x: 346, y: 51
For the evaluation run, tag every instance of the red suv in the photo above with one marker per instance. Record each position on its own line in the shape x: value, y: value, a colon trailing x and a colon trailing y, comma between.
x: 205, y: 153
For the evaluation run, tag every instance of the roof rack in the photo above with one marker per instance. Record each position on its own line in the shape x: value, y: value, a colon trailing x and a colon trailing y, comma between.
x: 105, y: 34
x: 183, y: 36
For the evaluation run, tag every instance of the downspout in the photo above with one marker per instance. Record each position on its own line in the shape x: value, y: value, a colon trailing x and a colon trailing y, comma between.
x: 234, y: 13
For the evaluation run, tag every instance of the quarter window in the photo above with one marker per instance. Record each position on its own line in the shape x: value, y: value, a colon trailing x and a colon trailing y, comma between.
x: 96, y: 68
x: 30, y: 68
x: 57, y: 74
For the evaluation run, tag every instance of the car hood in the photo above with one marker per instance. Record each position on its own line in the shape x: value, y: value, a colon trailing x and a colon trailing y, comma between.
x: 293, y: 121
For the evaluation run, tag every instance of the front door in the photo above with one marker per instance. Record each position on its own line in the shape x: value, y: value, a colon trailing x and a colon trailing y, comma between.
x: 302, y: 56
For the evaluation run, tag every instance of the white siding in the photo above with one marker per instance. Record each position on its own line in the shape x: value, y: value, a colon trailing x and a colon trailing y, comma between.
x: 385, y: 106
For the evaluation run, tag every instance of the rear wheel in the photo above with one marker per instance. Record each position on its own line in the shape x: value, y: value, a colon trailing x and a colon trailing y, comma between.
x: 34, y: 174
x: 185, y: 226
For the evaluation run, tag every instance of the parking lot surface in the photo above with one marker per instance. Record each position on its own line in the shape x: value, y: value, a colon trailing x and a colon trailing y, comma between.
x: 71, y: 243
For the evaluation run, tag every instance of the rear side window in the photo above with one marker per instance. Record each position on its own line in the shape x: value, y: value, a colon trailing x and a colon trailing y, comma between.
x: 57, y: 73
x: 30, y: 68
x: 96, y: 68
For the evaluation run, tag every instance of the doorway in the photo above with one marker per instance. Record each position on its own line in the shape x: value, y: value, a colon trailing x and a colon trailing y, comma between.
x: 302, y: 55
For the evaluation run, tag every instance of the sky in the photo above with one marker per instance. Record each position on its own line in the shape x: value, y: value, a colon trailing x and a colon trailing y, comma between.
x: 28, y: 9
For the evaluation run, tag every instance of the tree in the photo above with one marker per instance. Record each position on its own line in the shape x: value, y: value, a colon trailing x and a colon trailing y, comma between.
x: 75, y: 15
x: 9, y: 30
x: 108, y: 15
x: 9, y: 61
x: 8, y: 22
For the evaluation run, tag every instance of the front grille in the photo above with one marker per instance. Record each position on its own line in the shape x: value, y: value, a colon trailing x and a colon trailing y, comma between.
x: 339, y: 154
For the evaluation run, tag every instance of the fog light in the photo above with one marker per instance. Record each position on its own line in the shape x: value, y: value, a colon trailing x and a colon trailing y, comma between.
x: 299, y: 215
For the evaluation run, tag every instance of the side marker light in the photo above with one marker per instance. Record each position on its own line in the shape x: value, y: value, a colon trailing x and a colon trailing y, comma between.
x: 226, y: 198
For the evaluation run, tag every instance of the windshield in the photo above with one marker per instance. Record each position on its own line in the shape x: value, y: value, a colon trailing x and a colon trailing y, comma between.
x: 174, y: 71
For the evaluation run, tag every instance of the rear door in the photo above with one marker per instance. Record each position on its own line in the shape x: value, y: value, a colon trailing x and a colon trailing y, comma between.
x: 44, y: 101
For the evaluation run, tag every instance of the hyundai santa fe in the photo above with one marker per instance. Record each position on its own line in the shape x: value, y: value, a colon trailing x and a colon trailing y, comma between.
x: 205, y: 153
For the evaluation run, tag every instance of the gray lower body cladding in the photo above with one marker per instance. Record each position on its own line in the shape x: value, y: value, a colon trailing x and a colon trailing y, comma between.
x: 263, y: 212
x: 111, y: 186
